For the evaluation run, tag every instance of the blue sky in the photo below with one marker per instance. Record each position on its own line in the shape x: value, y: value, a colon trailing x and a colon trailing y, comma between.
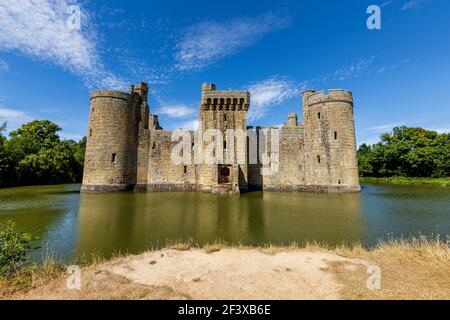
x: 399, y: 74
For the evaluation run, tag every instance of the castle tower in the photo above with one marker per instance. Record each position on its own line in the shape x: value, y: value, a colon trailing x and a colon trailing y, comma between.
x: 115, y: 119
x: 330, y: 142
x: 292, y: 120
x: 223, y: 110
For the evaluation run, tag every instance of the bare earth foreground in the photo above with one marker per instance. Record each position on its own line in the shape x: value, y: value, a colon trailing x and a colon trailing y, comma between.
x: 250, y: 273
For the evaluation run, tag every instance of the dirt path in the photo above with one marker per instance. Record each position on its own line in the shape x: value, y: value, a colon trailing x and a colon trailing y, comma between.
x: 197, y: 274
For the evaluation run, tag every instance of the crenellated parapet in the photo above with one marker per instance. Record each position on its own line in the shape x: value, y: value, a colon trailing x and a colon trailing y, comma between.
x: 333, y: 95
x: 223, y: 100
x: 292, y: 120
x: 142, y: 90
x: 110, y: 94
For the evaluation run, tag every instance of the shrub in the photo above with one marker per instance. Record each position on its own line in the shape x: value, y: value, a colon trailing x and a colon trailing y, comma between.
x: 14, y: 247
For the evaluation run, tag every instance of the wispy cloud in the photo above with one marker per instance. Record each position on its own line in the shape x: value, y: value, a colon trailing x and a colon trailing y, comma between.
x: 207, y: 42
x: 70, y: 136
x: 38, y: 28
x: 353, y: 70
x: 269, y: 93
x: 415, y: 4
x: 442, y: 129
x: 4, y: 66
x: 389, y: 126
x: 370, y: 140
x: 176, y: 111
x: 385, y: 68
x: 14, y: 118
x: 189, y: 125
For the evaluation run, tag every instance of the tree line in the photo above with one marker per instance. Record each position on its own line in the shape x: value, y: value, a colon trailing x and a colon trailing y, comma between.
x: 406, y: 152
x: 34, y: 154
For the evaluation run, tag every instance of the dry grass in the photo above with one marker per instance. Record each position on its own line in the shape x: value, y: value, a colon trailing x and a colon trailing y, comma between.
x: 31, y: 277
x: 416, y: 268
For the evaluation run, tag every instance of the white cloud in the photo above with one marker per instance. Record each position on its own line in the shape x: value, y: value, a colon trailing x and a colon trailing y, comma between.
x: 353, y: 70
x: 382, y: 128
x: 415, y: 4
x: 190, y: 125
x: 370, y: 141
x: 207, y: 42
x: 38, y: 28
x: 69, y: 136
x: 269, y: 93
x: 387, y: 126
x: 4, y: 66
x: 440, y: 129
x: 14, y: 118
x: 175, y: 111
x: 382, y: 70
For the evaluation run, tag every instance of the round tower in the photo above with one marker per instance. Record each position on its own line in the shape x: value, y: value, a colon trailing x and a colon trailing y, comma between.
x: 112, y: 139
x: 330, y: 141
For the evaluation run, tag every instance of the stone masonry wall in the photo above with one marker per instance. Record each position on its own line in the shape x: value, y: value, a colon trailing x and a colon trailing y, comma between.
x: 111, y: 150
x: 126, y: 147
x: 329, y: 136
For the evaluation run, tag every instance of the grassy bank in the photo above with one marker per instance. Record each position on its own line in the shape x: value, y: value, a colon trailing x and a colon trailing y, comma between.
x: 413, y: 269
x: 441, y: 182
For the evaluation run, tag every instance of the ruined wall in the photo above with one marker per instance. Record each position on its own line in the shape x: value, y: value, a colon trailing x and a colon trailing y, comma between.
x: 111, y: 149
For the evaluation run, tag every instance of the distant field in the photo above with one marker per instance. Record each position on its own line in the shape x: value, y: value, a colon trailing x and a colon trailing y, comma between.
x: 443, y: 182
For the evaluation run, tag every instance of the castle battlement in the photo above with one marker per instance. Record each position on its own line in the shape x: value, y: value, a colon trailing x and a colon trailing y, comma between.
x: 111, y: 94
x: 213, y: 99
x: 333, y: 95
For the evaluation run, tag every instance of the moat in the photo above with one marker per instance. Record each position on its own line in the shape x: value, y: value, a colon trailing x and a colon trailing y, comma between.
x: 69, y: 223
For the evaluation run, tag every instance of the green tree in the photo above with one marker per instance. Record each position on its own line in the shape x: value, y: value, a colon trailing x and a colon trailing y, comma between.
x: 364, y: 160
x: 33, y: 136
x: 410, y: 152
x: 35, y: 154
x: 48, y: 166
x: 5, y: 159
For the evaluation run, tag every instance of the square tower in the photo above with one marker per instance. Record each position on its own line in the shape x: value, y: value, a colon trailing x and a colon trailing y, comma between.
x: 223, y: 114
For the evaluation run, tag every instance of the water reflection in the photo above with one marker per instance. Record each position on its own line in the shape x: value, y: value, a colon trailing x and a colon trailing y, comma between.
x: 68, y: 222
x: 134, y: 222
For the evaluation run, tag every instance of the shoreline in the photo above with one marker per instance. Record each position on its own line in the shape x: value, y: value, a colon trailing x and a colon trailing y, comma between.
x: 408, y: 270
x: 437, y: 182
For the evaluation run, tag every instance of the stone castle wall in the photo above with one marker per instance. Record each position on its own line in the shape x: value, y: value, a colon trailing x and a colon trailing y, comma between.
x: 329, y: 138
x: 127, y: 148
x: 111, y: 149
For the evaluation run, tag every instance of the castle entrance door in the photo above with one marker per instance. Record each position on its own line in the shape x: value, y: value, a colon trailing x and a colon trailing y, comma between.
x: 224, y: 174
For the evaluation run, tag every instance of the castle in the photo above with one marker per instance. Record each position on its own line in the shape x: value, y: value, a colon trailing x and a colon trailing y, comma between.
x: 128, y: 150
